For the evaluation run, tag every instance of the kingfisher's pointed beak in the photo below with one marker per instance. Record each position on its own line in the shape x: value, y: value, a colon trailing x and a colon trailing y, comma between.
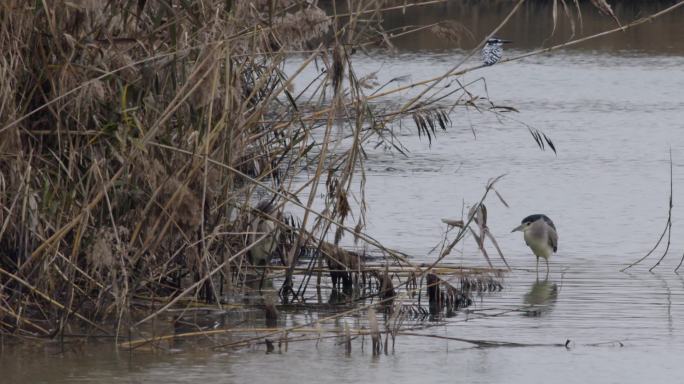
x: 518, y: 228
x: 506, y: 41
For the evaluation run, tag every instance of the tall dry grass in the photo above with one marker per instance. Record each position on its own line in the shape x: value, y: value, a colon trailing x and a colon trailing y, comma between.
x: 126, y: 127
x: 137, y: 137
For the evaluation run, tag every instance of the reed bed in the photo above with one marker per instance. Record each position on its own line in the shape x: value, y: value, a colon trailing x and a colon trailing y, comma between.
x: 138, y: 138
x: 150, y: 153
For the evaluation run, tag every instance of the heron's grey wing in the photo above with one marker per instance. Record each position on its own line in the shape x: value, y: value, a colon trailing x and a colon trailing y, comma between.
x: 553, y: 239
x: 548, y: 221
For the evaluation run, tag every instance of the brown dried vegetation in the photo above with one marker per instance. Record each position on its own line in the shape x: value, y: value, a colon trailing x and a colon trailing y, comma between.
x: 135, y: 138
x: 125, y: 129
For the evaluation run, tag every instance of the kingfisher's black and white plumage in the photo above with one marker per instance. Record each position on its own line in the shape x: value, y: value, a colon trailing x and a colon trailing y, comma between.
x: 493, y: 50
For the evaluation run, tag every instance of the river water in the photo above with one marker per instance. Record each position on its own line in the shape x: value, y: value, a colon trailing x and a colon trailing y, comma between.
x: 614, y: 109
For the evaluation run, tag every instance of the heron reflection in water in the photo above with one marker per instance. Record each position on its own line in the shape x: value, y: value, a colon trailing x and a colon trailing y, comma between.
x: 541, y: 298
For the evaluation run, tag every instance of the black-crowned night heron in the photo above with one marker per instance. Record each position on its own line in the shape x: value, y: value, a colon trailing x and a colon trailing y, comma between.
x: 540, y: 235
x: 262, y: 252
x: 263, y: 233
x: 493, y: 50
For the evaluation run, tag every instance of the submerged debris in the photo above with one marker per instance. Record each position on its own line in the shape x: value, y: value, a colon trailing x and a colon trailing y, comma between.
x: 443, y: 295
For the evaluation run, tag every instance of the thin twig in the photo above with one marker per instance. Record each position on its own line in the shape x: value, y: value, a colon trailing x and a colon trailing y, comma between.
x: 668, y: 230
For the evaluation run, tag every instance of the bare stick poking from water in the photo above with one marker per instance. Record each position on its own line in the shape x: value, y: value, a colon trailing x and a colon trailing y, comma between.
x: 667, y: 230
x: 499, y: 344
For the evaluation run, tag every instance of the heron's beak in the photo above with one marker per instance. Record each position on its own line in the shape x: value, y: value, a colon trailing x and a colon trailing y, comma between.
x: 518, y: 228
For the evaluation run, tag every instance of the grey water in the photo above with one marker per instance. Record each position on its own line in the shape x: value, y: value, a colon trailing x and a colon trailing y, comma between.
x: 614, y: 110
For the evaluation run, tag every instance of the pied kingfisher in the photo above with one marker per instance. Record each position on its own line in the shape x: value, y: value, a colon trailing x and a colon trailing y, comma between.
x: 492, y: 51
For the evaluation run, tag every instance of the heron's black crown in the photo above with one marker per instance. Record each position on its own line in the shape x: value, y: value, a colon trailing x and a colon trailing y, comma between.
x: 535, y: 217
x: 496, y: 41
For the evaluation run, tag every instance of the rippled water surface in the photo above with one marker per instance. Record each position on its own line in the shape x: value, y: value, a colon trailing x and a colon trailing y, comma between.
x: 613, y: 115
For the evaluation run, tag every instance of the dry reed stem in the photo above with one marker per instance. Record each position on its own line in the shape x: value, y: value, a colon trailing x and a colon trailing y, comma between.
x: 667, y: 230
